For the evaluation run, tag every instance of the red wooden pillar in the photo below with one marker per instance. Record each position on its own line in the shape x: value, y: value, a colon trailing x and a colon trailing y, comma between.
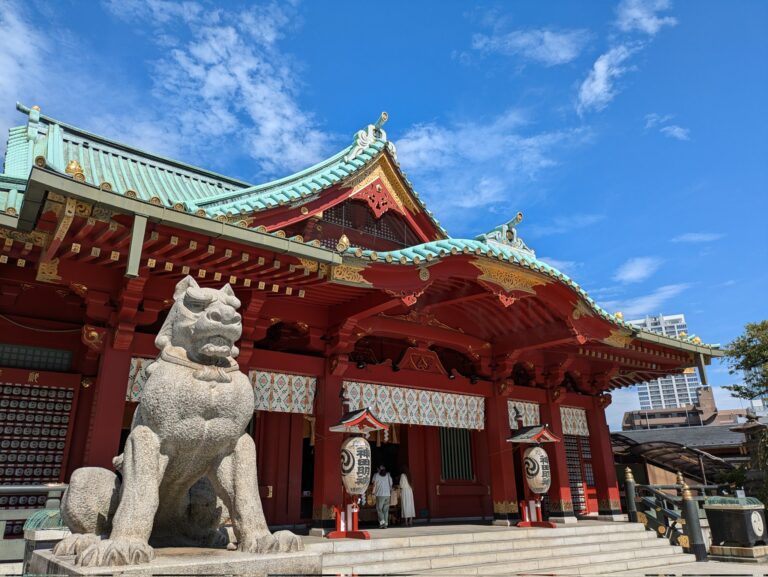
x: 501, y: 456
x: 327, y: 491
x: 560, y: 500
x: 608, y: 500
x: 108, y: 406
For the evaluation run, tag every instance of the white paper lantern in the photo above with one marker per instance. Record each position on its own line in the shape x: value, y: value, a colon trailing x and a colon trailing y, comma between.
x: 356, y: 465
x: 537, y: 473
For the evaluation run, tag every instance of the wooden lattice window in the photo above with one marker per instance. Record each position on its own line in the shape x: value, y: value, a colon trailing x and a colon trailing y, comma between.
x: 456, y: 454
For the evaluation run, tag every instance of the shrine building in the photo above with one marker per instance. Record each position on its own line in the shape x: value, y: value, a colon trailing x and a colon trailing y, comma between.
x: 353, y: 296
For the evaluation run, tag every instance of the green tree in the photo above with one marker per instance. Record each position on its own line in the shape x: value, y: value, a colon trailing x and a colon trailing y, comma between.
x: 748, y: 354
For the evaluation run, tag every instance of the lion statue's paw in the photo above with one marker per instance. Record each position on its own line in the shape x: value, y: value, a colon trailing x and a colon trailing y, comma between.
x: 115, y: 552
x: 288, y: 542
x: 75, y: 544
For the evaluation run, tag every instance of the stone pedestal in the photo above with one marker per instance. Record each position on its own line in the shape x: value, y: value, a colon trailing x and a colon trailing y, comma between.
x: 189, y: 561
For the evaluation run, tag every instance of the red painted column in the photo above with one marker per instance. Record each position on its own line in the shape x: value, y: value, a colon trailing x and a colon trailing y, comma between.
x: 327, y: 491
x: 608, y: 499
x: 560, y: 500
x: 106, y: 422
x: 501, y: 456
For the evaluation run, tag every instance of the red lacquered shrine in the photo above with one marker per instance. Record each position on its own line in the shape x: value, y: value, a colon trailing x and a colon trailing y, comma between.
x: 351, y: 291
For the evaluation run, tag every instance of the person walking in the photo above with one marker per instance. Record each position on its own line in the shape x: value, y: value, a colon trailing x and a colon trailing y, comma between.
x: 382, y: 490
x: 407, y: 507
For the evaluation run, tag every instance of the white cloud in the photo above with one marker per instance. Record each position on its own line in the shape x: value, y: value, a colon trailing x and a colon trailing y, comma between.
x: 546, y: 46
x: 22, y: 62
x: 598, y: 89
x: 641, y: 16
x: 229, y: 82
x: 675, y: 131
x: 654, y: 119
x: 475, y: 164
x: 662, y: 122
x: 637, y: 307
x: 622, y: 401
x: 565, y: 266
x: 563, y: 224
x: 698, y: 237
x: 637, y: 269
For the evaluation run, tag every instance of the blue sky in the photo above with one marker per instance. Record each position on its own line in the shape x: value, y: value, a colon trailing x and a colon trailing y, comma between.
x: 632, y: 134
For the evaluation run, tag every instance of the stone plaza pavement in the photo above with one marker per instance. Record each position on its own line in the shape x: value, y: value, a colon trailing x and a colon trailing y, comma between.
x: 584, y: 548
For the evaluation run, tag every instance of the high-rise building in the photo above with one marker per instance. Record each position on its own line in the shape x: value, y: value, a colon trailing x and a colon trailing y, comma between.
x: 671, y: 391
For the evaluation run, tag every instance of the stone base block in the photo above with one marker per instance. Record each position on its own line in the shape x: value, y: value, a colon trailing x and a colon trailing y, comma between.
x: 319, y: 532
x: 612, y: 517
x: 189, y: 561
x: 757, y: 554
x: 504, y: 522
x: 563, y: 520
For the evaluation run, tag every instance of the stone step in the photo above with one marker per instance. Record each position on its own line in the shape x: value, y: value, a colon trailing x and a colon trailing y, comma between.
x: 444, y: 557
x: 574, y: 565
x: 610, y: 531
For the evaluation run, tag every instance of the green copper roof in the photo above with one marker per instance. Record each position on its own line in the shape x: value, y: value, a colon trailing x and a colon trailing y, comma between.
x: 517, y: 254
x: 106, y: 161
x: 299, y: 186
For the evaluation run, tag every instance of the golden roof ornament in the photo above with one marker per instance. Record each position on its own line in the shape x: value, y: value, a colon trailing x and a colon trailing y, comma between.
x: 619, y: 315
x: 343, y: 243
x: 74, y: 168
x: 36, y: 107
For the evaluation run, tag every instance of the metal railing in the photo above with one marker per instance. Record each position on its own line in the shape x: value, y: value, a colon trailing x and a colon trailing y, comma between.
x: 673, y: 516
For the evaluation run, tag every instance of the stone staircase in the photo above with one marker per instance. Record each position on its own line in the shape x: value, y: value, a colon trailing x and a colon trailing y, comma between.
x: 587, y: 548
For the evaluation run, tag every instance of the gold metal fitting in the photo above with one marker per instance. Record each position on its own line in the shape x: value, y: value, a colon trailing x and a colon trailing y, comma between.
x: 36, y: 107
x: 619, y: 315
x: 628, y: 474
x: 343, y: 243
x: 680, y: 479
x: 687, y: 495
x: 73, y: 167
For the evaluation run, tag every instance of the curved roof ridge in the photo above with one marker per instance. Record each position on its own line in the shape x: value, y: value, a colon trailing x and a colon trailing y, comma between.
x: 429, y: 251
x: 278, y: 183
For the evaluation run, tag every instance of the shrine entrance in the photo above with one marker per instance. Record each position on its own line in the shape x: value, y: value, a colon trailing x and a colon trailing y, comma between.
x: 392, y: 452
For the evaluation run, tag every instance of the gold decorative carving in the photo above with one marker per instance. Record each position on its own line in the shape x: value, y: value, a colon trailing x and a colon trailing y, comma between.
x: 618, y: 338
x: 11, y: 211
x: 505, y: 507
x: 383, y: 169
x: 106, y: 186
x: 421, y: 318
x: 323, y: 513
x: 309, y: 265
x: 581, y: 310
x: 48, y: 271
x: 608, y: 505
x: 683, y: 541
x: 349, y: 274
x: 507, y: 277
x: 424, y: 274
x: 40, y: 161
x: 642, y: 518
x: 79, y: 289
x: 86, y: 383
x: 561, y: 506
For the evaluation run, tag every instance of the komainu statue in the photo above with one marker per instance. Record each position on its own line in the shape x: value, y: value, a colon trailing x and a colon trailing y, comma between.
x: 188, y: 465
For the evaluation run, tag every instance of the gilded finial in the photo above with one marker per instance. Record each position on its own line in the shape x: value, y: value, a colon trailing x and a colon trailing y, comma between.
x: 687, y: 495
x: 696, y: 340
x: 683, y: 335
x: 343, y: 243
x: 36, y: 107
x: 680, y: 480
x: 628, y: 474
x: 619, y: 315
x: 74, y: 168
x: 383, y: 117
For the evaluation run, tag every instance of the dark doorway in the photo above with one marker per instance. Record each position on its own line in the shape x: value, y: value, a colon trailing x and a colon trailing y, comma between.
x: 307, y: 478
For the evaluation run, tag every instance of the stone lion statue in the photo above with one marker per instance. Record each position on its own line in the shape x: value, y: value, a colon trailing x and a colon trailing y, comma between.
x: 188, y: 463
